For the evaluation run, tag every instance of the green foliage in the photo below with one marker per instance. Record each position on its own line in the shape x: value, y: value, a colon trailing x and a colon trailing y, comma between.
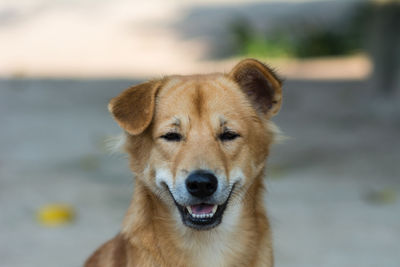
x: 249, y: 43
x: 326, y: 43
x: 302, y: 40
x: 313, y: 43
x: 274, y: 47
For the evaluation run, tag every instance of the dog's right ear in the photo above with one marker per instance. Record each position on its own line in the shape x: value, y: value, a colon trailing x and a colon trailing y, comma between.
x: 133, y: 109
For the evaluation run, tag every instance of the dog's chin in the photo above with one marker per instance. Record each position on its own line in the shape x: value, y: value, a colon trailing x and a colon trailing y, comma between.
x: 202, y: 216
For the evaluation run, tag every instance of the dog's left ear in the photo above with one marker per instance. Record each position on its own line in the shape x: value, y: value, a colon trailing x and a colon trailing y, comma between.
x: 133, y: 109
x: 260, y: 84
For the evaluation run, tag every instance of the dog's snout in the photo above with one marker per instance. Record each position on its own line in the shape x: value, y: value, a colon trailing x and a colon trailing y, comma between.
x: 201, y: 183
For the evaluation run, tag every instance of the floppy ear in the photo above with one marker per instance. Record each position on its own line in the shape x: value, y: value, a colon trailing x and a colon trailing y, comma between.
x: 260, y: 84
x: 133, y: 109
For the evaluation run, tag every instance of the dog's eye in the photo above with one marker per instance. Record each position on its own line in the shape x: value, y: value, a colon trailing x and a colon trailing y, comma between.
x: 172, y: 137
x: 228, y: 136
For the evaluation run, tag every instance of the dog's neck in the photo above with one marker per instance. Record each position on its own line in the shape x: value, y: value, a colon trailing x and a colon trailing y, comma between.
x: 151, y: 226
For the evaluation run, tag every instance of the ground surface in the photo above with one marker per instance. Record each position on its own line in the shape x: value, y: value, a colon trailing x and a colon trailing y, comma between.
x: 332, y: 188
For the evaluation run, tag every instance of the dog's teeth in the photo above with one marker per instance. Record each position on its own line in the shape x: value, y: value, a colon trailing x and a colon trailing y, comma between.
x: 202, y: 215
x: 189, y: 210
x: 214, y: 209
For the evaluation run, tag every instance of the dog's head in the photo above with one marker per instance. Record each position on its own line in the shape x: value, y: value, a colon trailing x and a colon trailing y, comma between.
x: 199, y: 141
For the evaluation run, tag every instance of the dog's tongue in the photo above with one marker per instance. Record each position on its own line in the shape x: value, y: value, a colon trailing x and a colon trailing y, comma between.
x: 202, y: 209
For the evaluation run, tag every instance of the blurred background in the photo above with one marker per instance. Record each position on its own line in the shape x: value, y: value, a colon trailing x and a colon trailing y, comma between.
x: 333, y: 185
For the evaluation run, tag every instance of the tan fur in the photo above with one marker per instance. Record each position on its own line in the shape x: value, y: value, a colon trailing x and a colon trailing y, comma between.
x: 198, y: 107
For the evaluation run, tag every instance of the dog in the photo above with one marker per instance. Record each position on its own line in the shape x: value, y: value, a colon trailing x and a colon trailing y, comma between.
x: 198, y: 146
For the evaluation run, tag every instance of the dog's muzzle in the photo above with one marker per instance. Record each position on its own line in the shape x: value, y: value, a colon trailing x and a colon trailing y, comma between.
x: 202, y: 211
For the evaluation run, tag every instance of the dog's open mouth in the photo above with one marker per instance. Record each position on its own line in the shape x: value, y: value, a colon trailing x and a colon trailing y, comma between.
x: 202, y: 211
x: 202, y: 216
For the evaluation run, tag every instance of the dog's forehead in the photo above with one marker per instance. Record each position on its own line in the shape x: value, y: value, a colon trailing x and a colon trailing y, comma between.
x: 198, y: 95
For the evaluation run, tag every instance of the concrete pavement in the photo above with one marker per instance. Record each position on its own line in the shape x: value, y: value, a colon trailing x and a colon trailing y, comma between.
x: 333, y: 187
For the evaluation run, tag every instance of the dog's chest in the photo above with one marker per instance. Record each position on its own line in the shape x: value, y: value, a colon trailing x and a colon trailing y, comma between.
x: 221, y: 246
x: 219, y: 250
x: 215, y: 253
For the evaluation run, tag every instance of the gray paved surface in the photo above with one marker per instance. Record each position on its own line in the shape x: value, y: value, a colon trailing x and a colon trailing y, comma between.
x: 333, y: 188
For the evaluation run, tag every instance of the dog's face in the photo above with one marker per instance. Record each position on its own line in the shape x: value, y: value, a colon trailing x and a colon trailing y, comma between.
x: 199, y: 141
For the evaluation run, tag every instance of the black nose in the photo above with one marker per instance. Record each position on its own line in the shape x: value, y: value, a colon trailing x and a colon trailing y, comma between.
x: 201, y: 183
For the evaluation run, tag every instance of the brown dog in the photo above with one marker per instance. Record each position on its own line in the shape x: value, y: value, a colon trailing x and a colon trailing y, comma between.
x: 198, y: 146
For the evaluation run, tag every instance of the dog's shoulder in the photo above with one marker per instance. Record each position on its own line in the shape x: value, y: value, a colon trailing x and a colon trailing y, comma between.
x: 111, y: 254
